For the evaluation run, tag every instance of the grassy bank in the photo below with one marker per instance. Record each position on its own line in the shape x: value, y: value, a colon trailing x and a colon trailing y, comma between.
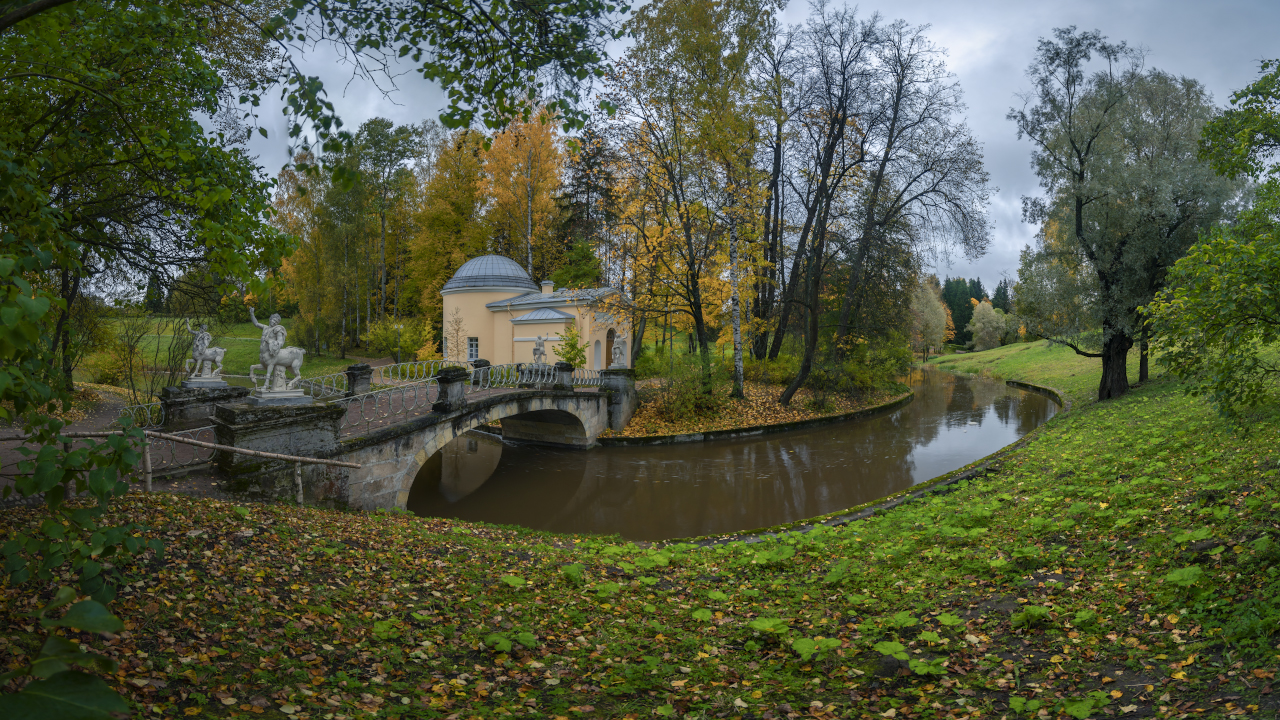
x: 1122, y: 563
x: 1039, y: 363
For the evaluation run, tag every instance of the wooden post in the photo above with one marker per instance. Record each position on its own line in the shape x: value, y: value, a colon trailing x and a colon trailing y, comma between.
x: 146, y: 463
x: 297, y: 478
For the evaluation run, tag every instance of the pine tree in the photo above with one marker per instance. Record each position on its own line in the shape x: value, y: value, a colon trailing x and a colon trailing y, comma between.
x: 154, y: 300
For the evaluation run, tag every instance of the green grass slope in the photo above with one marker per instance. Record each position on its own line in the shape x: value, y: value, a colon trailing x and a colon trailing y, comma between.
x: 1039, y: 363
x: 1120, y: 564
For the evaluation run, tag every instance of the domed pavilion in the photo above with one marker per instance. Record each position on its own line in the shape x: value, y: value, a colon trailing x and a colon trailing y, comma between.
x: 503, y: 312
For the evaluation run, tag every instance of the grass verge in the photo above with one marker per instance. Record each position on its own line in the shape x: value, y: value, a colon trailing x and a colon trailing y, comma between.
x: 1038, y: 363
x: 1122, y: 563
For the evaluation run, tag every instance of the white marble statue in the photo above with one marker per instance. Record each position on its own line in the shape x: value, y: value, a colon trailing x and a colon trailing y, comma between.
x: 274, y: 357
x: 540, y: 351
x: 619, y: 360
x: 207, y: 360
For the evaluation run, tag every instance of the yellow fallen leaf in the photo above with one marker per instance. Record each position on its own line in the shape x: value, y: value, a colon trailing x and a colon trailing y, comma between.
x: 1116, y: 694
x: 1180, y: 675
x: 191, y: 711
x: 1056, y: 659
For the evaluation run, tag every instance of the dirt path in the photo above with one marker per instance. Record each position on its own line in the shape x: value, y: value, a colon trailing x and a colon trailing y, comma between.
x: 98, y: 418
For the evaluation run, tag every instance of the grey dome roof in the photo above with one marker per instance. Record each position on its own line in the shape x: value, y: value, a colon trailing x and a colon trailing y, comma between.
x: 490, y: 271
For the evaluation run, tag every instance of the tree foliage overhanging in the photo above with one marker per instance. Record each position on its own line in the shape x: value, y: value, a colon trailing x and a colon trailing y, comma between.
x: 1222, y: 306
x: 107, y: 176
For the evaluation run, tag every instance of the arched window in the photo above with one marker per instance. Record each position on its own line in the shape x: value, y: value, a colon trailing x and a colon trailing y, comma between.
x: 608, y: 346
x: 598, y: 365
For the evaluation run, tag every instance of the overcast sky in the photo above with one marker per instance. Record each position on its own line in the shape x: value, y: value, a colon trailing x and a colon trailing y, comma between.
x: 989, y: 47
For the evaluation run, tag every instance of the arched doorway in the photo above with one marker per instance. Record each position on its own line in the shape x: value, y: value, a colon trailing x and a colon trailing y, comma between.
x: 608, y: 346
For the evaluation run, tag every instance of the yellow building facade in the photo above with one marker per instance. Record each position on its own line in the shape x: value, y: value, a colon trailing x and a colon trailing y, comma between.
x: 501, y: 313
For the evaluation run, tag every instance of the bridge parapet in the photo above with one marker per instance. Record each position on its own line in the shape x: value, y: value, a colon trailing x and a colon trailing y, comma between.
x: 392, y: 430
x: 620, y: 384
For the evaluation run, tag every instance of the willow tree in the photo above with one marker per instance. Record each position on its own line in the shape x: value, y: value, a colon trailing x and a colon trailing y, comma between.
x: 1117, y: 153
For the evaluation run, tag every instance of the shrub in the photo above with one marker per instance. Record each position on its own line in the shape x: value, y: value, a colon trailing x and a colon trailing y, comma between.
x: 109, y: 366
x: 688, y: 393
x: 778, y: 371
x: 413, y: 334
x: 571, y: 349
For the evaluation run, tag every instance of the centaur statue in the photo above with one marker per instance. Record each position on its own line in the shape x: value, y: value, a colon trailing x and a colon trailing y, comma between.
x: 208, y: 360
x: 272, y: 353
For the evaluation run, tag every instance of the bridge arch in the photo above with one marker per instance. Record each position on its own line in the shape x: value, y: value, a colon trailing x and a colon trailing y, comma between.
x: 389, y: 465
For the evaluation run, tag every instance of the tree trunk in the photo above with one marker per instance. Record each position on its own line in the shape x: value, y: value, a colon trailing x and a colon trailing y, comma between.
x: 382, y: 300
x: 637, y: 339
x: 1144, y: 347
x: 342, y: 343
x: 810, y: 349
x: 1115, y: 372
x: 814, y: 280
x: 528, y: 231
x: 735, y: 311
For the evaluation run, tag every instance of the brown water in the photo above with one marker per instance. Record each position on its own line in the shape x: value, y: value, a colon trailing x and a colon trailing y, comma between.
x: 669, y: 491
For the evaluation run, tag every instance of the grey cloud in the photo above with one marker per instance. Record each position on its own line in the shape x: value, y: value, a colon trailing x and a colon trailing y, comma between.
x: 989, y: 44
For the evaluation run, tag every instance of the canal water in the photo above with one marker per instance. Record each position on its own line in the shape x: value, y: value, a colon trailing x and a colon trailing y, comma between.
x: 669, y: 491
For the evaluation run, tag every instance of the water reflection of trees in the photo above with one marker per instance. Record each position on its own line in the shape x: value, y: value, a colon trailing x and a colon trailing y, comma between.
x: 694, y: 489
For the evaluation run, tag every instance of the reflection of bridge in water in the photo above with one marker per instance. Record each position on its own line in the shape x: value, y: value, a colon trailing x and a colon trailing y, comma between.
x: 694, y: 489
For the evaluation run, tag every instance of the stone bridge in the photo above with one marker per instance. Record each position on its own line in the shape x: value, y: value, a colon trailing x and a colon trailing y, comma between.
x: 407, y: 425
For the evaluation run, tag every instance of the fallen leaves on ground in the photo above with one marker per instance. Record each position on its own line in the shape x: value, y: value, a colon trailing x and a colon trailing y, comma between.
x: 759, y: 407
x: 1057, y: 585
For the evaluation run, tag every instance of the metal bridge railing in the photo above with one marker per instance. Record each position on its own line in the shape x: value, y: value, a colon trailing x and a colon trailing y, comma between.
x: 414, y: 371
x: 586, y: 378
x: 325, y: 386
x: 510, y: 376
x: 387, y: 402
x: 146, y: 416
x: 175, y: 449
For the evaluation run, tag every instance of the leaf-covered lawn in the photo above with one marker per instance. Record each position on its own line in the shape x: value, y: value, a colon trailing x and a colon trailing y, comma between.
x: 1122, y: 564
x: 759, y: 407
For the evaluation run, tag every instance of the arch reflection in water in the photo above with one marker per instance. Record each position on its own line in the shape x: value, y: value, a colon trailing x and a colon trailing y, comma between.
x: 661, y: 492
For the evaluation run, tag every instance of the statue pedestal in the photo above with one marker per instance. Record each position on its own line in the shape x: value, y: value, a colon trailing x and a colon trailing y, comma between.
x: 205, y: 382
x: 621, y: 387
x: 188, y: 407
x: 279, y: 397
x: 305, y: 431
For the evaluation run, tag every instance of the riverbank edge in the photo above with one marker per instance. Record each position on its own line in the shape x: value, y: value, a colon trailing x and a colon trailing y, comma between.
x: 938, y: 485
x: 754, y: 430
